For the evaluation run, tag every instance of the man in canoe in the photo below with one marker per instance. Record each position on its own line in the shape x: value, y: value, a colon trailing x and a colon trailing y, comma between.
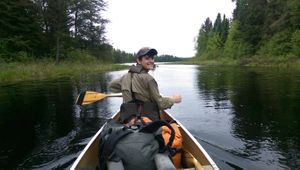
x: 142, y: 100
x: 137, y: 86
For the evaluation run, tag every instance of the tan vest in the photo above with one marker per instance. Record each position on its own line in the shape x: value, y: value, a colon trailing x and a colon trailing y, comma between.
x: 143, y: 85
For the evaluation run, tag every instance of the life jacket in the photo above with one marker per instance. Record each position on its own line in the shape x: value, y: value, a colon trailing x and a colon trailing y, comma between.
x: 135, y: 147
x: 137, y: 108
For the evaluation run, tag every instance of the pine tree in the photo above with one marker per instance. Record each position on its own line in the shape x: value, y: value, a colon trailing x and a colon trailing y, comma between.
x: 224, y: 30
x: 87, y: 22
x: 19, y: 28
x: 250, y: 14
x: 202, y: 39
x: 218, y: 24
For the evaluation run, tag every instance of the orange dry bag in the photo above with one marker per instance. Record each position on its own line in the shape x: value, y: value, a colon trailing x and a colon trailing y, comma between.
x: 177, y: 143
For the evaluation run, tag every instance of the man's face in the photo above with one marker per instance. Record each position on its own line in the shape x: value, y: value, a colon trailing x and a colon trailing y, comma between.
x: 147, y: 62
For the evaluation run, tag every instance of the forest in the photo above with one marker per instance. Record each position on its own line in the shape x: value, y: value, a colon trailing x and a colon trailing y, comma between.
x: 75, y: 30
x: 55, y: 29
x: 259, y: 29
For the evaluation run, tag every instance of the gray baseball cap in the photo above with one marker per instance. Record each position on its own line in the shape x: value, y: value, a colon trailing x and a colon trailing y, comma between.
x: 146, y: 51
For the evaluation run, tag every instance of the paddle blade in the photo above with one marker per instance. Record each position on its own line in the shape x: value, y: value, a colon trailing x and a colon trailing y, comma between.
x: 89, y: 97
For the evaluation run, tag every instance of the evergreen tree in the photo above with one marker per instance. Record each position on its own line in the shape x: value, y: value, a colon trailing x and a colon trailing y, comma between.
x: 57, y: 17
x: 259, y: 27
x: 214, y: 45
x: 250, y: 14
x: 19, y: 28
x: 218, y: 24
x: 202, y: 39
x: 293, y: 7
x: 87, y: 22
x: 224, y: 30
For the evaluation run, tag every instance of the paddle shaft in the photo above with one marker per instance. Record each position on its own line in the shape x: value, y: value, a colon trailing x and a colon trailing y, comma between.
x: 114, y: 95
x: 89, y: 97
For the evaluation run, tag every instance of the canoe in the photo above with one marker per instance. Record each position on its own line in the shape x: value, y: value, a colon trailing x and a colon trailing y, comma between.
x: 193, y: 155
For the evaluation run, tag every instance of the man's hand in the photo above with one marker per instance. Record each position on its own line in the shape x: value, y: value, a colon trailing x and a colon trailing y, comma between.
x: 176, y: 98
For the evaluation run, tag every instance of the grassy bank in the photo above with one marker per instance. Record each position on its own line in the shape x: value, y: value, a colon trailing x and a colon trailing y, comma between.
x: 290, y: 62
x: 40, y: 70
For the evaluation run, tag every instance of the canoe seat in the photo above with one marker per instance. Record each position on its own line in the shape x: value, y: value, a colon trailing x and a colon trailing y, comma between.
x: 189, y: 162
x: 87, y: 168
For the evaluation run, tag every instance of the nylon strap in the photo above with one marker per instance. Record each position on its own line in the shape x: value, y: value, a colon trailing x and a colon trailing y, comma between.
x: 154, y: 126
x: 111, y: 142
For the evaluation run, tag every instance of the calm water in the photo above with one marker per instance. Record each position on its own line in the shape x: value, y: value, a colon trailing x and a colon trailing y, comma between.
x: 246, y: 118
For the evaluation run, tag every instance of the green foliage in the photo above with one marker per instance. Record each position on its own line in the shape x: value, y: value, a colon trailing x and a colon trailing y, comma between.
x: 243, y: 50
x: 218, y: 24
x: 221, y: 27
x: 293, y: 13
x: 15, y: 49
x: 5, y: 54
x: 230, y: 44
x: 259, y: 29
x: 76, y: 55
x: 234, y: 47
x: 214, y: 42
x: 48, y: 28
x: 87, y: 21
x: 225, y: 29
x: 19, y: 28
x: 296, y: 43
x: 201, y: 44
x: 23, y: 57
x: 211, y: 40
x: 122, y: 57
x: 275, y: 18
x: 45, y: 69
x: 251, y: 18
x: 167, y: 58
x: 278, y: 45
x: 214, y: 45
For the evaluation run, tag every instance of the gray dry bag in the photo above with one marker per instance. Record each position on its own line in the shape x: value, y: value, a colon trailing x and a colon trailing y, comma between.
x: 135, y: 147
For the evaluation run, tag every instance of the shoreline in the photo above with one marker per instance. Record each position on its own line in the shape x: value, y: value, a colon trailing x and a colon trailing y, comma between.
x: 251, y: 62
x: 43, y: 70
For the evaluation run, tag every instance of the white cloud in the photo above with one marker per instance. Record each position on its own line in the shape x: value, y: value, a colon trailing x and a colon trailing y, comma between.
x: 170, y: 26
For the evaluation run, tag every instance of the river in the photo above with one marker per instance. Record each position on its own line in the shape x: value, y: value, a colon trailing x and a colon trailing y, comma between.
x: 245, y: 117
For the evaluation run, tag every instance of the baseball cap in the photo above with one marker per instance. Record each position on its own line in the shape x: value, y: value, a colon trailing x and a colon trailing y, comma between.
x: 146, y: 51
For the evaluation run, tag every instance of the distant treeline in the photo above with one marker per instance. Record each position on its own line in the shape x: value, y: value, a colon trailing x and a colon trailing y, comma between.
x: 168, y: 58
x: 259, y: 28
x: 123, y: 57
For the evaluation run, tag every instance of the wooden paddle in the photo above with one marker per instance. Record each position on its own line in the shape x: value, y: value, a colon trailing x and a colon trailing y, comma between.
x: 89, y: 97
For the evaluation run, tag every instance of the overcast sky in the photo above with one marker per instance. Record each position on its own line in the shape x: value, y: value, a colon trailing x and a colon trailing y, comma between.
x: 170, y: 26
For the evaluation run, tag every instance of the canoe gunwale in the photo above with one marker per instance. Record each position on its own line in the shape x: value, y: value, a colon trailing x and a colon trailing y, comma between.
x: 211, y: 163
x: 86, y: 148
x: 209, y: 159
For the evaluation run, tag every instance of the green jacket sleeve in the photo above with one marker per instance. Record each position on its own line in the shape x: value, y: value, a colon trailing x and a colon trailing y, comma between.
x: 163, y: 102
x: 115, y: 86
